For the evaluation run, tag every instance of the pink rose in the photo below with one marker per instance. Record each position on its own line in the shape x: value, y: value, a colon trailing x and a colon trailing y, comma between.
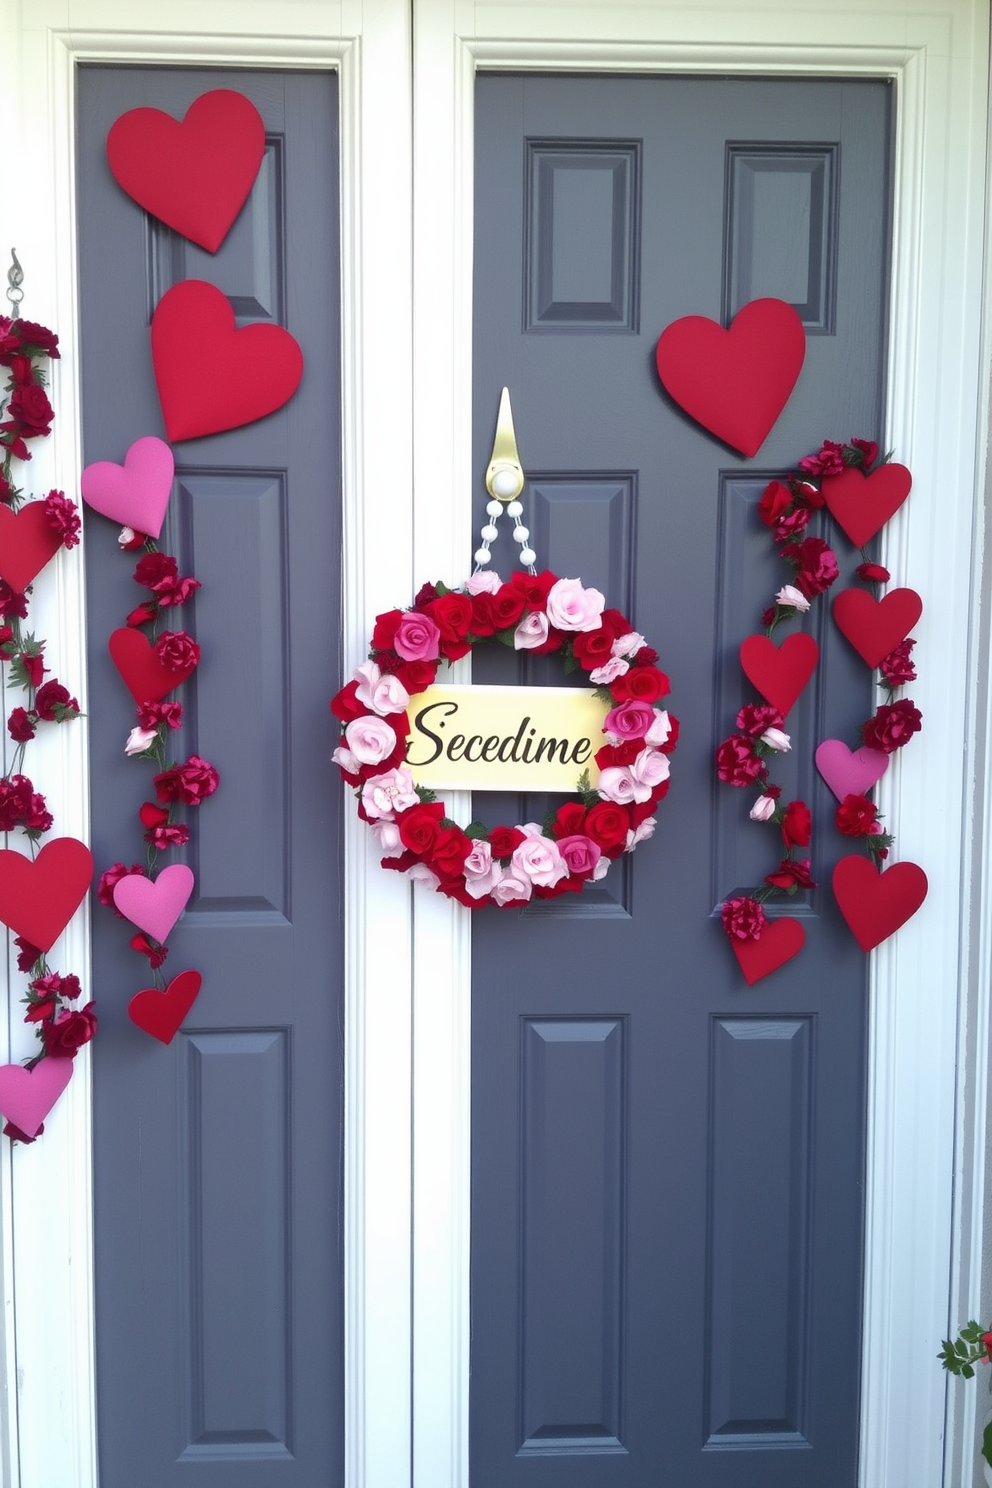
x: 392, y: 791
x: 570, y: 607
x: 481, y: 873
x: 139, y: 739
x: 383, y: 694
x: 648, y: 771
x: 661, y: 728
x: 417, y: 638
x: 603, y: 675
x: 370, y: 739
x: 630, y: 719
x: 387, y: 834
x: 763, y: 809
x: 484, y: 583
x: 512, y: 888
x: 580, y: 853
x: 616, y: 784
x: 531, y: 632
x: 629, y: 644
x: 539, y: 859
x: 640, y: 833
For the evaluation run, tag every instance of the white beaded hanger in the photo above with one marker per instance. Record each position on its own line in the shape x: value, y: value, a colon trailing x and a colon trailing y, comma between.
x: 504, y: 482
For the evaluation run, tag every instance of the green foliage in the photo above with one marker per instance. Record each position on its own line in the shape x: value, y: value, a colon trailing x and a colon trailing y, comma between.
x: 959, y: 1355
x: 587, y: 795
x: 427, y: 796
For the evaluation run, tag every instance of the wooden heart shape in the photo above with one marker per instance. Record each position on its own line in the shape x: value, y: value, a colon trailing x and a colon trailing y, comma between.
x: 875, y: 627
x: 27, y: 1095
x: 27, y: 543
x: 862, y: 504
x: 162, y: 1013
x: 136, y: 493
x: 876, y: 904
x: 780, y: 940
x: 38, y: 899
x: 780, y: 672
x: 154, y: 905
x: 145, y: 678
x: 734, y: 382
x: 194, y: 174
x: 850, y: 772
x: 210, y: 375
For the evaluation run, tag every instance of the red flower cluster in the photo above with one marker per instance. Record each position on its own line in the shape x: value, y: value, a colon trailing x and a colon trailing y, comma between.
x: 506, y: 865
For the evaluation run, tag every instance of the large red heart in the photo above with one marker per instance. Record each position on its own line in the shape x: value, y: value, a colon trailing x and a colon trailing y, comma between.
x: 780, y: 940
x: 862, y: 504
x: 145, y: 678
x: 876, y: 904
x: 780, y: 672
x: 875, y: 627
x: 161, y: 1013
x: 194, y: 175
x: 734, y: 382
x: 38, y: 899
x: 210, y: 375
x: 27, y: 543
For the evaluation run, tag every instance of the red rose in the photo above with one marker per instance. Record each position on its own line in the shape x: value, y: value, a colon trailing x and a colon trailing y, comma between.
x: 151, y: 815
x: 569, y: 819
x: 815, y: 563
x: 424, y: 595
x: 345, y: 705
x: 619, y: 754
x: 39, y: 1011
x: 743, y: 918
x: 56, y: 985
x: 28, y: 954
x: 451, y: 848
x: 504, y: 841
x: 30, y: 407
x: 873, y: 573
x: 897, y: 668
x: 593, y: 647
x: 53, y: 703
x: 507, y: 606
x: 176, y: 650
x: 69, y: 1031
x: 828, y: 461
x: 893, y: 726
x: 856, y: 816
x: 38, y: 337
x: 483, y: 619
x: 792, y: 525
x: 12, y: 603
x: 797, y: 824
x: 34, y: 666
x: 21, y: 725
x: 608, y: 824
x: 645, y: 683
x: 142, y: 615
x: 867, y: 449
x: 419, y: 826
x: 156, y: 953
x: 755, y: 718
x: 452, y: 614
x: 534, y: 588
x: 170, y: 834
x: 153, y: 569
x: 791, y: 873
x: 384, y: 630
x: 673, y: 735
x: 150, y: 715
x: 113, y: 875
x: 736, y: 761
x: 190, y: 783
x: 416, y: 676
x: 62, y: 515
x: 775, y: 502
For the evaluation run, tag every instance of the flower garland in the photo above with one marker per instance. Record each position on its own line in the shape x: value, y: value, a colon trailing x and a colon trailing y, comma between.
x: 177, y: 656
x: 743, y: 758
x: 507, y: 865
x: 61, y: 1027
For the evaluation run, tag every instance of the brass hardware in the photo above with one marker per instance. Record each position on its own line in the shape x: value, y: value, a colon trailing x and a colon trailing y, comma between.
x: 505, y: 476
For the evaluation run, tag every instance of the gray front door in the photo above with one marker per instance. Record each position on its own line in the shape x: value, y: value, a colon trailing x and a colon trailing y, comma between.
x: 217, y: 1158
x: 668, y: 1166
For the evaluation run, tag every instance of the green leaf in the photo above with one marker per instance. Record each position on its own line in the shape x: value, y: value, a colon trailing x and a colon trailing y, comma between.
x: 604, y: 694
x: 570, y: 664
x: 442, y: 589
x: 447, y: 822
x: 987, y: 1444
x: 505, y: 637
x: 967, y: 1371
x: 478, y: 831
x: 427, y: 796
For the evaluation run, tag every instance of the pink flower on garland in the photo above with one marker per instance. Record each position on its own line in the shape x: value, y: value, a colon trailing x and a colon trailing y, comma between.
x: 62, y: 515
x: 743, y: 918
x: 190, y: 783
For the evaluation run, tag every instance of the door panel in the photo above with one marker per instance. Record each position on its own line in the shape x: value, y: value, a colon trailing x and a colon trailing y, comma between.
x: 217, y: 1159
x: 668, y: 1166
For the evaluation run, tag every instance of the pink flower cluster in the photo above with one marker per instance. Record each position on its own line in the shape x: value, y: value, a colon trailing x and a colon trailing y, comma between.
x: 506, y: 865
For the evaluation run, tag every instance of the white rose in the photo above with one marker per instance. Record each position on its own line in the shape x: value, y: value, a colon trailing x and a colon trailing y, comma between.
x: 371, y: 740
x: 763, y: 808
x: 641, y: 833
x: 792, y: 597
x: 570, y: 607
x: 139, y: 739
x: 660, y: 729
x: 609, y: 671
x: 628, y: 645
x: 777, y: 740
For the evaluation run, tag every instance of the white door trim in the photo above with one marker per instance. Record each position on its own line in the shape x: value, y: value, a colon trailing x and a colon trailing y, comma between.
x: 929, y: 1003
x: 48, y: 1423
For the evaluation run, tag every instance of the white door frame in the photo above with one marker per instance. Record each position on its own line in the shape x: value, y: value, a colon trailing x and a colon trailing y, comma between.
x: 407, y: 1055
x: 929, y: 986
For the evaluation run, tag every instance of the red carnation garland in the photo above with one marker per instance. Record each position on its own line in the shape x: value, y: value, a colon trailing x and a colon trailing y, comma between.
x: 507, y: 865
x: 61, y: 1026
x: 821, y: 480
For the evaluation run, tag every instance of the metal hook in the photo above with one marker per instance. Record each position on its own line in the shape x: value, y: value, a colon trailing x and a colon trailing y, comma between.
x: 505, y: 476
x: 15, y: 278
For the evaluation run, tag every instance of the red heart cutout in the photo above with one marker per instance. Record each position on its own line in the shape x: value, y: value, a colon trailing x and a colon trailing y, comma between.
x: 38, y: 899
x: 876, y: 904
x: 194, y: 175
x: 211, y: 376
x: 862, y: 504
x: 734, y: 382
x: 161, y: 1013
x: 27, y: 543
x: 780, y: 940
x: 875, y: 627
x: 145, y: 678
x: 780, y: 672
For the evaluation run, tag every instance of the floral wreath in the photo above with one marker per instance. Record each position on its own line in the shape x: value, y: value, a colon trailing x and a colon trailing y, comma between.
x: 573, y: 846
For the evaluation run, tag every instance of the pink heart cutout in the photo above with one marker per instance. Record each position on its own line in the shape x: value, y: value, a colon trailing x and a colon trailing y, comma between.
x: 27, y: 1096
x: 154, y: 905
x: 850, y: 772
x: 136, y: 493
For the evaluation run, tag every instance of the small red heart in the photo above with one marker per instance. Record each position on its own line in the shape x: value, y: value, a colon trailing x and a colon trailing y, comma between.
x: 734, y: 382
x: 210, y: 375
x: 780, y: 940
x: 875, y: 627
x: 27, y: 543
x: 161, y: 1013
x: 862, y: 504
x: 876, y: 904
x: 780, y: 672
x: 39, y: 898
x: 195, y: 175
x: 145, y: 678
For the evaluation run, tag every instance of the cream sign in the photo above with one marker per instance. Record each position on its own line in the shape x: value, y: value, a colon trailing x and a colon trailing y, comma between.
x: 505, y: 738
